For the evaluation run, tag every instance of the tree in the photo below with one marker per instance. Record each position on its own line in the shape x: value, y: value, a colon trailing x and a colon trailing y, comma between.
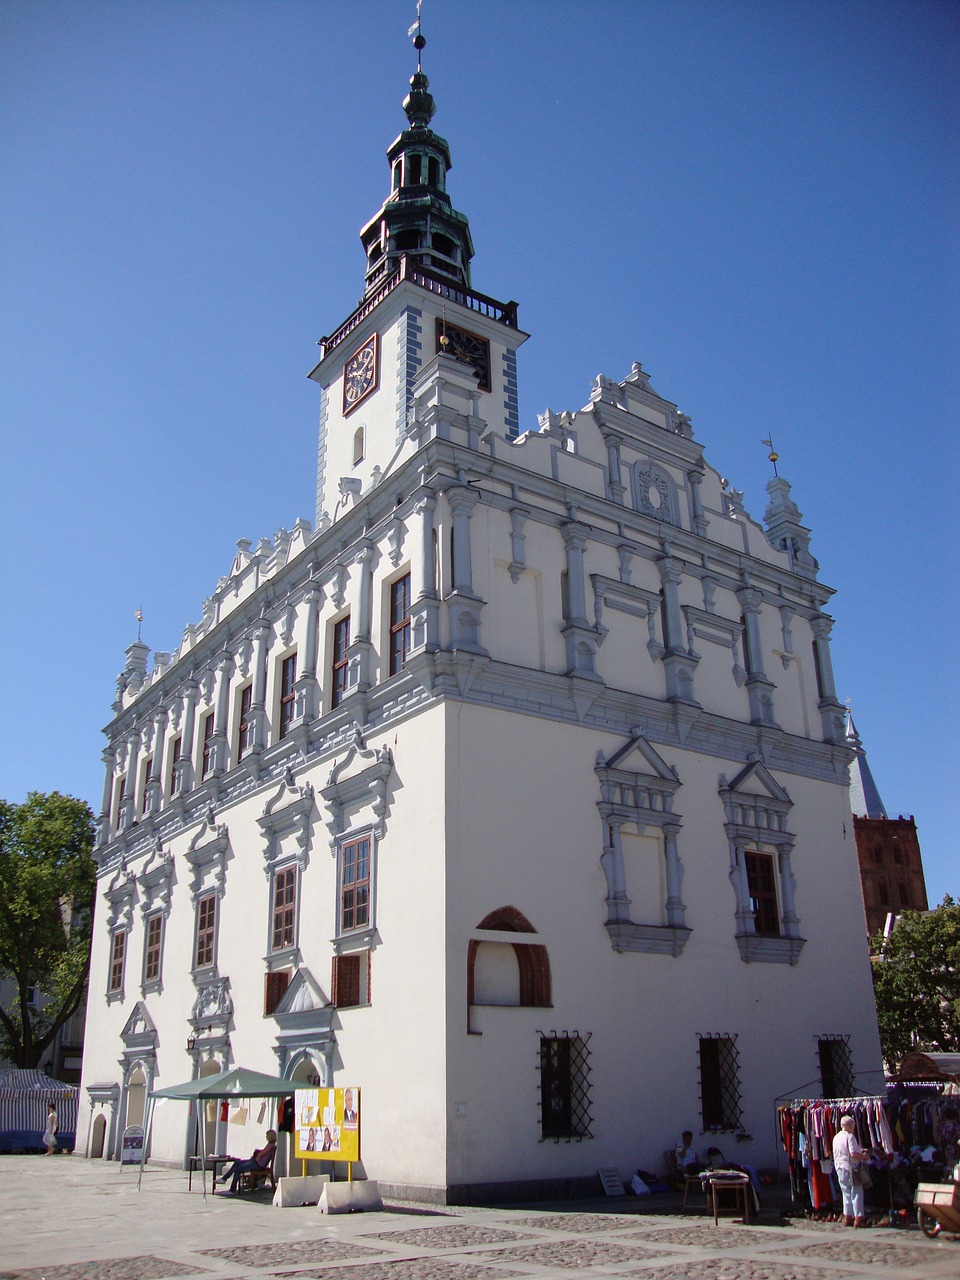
x: 916, y: 982
x: 47, y: 881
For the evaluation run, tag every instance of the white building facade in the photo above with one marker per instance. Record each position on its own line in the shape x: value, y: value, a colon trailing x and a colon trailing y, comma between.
x: 513, y: 790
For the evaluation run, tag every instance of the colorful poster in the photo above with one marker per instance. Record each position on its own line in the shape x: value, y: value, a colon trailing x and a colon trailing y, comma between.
x: 327, y: 1124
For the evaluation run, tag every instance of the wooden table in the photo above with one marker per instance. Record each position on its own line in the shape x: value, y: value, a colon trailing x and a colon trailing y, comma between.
x: 736, y: 1184
x: 215, y: 1163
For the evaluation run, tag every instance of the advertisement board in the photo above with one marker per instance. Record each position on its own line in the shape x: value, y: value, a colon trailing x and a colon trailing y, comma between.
x: 131, y: 1145
x: 327, y: 1124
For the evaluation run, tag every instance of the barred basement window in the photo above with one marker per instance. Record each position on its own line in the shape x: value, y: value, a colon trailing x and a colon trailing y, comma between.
x: 836, y: 1066
x: 720, y: 1083
x: 564, y: 1067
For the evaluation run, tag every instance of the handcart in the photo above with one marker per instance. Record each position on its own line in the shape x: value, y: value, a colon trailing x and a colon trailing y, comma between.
x: 938, y: 1208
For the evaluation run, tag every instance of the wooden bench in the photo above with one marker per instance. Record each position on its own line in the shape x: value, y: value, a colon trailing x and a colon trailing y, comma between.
x: 254, y: 1179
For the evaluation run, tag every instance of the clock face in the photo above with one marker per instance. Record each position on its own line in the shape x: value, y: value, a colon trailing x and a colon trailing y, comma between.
x: 469, y: 348
x: 361, y: 374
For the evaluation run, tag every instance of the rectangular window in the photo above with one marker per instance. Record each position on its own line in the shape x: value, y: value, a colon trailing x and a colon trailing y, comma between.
x: 206, y: 930
x: 719, y: 1082
x: 355, y: 884
x: 154, y: 941
x: 284, y: 908
x: 245, y: 733
x: 147, y: 775
x: 174, y: 759
x: 274, y: 987
x: 401, y: 624
x: 288, y: 697
x: 118, y: 952
x: 836, y: 1067
x: 351, y: 979
x: 338, y: 670
x: 121, y: 793
x: 762, y: 887
x: 564, y: 1087
x: 206, y: 762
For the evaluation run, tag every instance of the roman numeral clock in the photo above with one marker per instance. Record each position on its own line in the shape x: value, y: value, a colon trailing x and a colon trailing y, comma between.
x: 361, y: 374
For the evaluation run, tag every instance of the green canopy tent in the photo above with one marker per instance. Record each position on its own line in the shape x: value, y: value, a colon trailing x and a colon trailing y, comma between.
x: 235, y: 1084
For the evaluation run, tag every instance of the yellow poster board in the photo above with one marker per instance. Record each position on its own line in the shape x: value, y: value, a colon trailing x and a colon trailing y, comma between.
x: 327, y: 1124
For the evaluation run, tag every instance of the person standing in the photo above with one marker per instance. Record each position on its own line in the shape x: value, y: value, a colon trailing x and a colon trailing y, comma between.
x: 847, y: 1154
x: 50, y: 1132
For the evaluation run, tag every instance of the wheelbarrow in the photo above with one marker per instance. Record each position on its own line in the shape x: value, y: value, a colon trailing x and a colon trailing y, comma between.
x: 938, y: 1208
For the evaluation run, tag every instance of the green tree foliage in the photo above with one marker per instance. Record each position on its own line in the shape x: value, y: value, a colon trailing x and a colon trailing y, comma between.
x: 47, y: 880
x: 916, y: 981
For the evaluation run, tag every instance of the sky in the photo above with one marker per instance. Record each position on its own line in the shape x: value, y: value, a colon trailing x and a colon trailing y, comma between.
x: 757, y: 199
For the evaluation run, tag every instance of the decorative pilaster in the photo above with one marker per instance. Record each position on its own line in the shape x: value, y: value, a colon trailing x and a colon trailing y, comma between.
x: 759, y: 688
x: 699, y: 518
x: 426, y: 605
x: 463, y: 606
x: 153, y: 792
x: 579, y: 636
x: 306, y: 686
x: 616, y: 489
x: 611, y: 860
x: 183, y: 769
x: 109, y: 758
x: 675, y: 908
x: 832, y: 714
x: 358, y: 651
x: 679, y: 662
x: 128, y: 805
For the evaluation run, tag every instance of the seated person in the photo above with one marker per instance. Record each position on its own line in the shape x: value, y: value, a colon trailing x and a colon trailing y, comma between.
x: 259, y: 1160
x: 687, y: 1159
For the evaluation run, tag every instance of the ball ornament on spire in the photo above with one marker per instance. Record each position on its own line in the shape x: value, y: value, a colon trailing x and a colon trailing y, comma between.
x: 419, y: 104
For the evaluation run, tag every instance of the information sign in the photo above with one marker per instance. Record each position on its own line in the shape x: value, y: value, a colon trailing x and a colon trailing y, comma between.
x: 131, y: 1146
x: 328, y: 1124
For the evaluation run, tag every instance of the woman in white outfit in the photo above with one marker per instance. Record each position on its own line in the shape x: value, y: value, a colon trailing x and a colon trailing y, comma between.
x: 847, y: 1154
x: 50, y: 1132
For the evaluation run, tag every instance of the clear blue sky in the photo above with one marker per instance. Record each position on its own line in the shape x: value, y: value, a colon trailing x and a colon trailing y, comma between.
x: 759, y: 200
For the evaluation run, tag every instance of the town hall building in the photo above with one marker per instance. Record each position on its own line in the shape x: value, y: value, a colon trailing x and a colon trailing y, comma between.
x: 512, y: 789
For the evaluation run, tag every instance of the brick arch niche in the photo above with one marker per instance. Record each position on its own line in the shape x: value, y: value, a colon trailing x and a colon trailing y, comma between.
x: 507, y: 971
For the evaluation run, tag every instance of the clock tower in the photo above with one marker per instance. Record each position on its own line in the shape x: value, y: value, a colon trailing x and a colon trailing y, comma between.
x: 419, y: 324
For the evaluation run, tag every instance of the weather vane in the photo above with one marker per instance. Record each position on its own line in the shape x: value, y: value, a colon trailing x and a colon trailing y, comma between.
x: 139, y: 617
x: 418, y: 39
x: 772, y: 455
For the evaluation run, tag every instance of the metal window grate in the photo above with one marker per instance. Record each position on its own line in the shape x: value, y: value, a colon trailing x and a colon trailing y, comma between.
x: 720, y: 1082
x: 564, y: 1085
x: 836, y: 1066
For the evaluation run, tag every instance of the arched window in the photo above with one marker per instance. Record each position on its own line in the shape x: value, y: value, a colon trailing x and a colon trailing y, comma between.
x: 507, y: 973
x: 358, y: 445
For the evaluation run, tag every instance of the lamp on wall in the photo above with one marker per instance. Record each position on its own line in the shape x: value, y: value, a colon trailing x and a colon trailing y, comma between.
x: 191, y: 1043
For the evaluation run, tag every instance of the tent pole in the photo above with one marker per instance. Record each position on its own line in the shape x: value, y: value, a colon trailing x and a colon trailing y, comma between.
x: 151, y: 1103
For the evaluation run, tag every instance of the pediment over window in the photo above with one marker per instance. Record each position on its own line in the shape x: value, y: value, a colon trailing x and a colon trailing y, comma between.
x: 139, y: 1031
x: 756, y: 779
x: 348, y: 793
x: 121, y: 894
x: 303, y: 995
x: 207, y: 852
x: 156, y: 879
x: 638, y: 756
x: 287, y: 814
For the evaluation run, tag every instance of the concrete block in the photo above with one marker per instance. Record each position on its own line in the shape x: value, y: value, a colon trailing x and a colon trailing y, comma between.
x: 292, y: 1192
x: 349, y: 1197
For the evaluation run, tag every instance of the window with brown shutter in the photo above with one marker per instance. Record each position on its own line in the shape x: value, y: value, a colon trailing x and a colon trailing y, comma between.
x: 274, y: 986
x: 351, y: 979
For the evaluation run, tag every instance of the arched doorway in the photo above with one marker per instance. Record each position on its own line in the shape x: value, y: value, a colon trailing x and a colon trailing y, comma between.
x: 98, y: 1137
x: 307, y: 1074
x: 136, y: 1097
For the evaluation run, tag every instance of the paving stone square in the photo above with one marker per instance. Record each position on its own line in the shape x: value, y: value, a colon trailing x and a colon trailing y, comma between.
x: 142, y: 1268
x: 453, y: 1236
x: 412, y: 1269
x: 570, y: 1255
x: 290, y: 1253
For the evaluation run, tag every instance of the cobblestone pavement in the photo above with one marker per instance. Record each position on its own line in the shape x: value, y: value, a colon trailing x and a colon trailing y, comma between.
x: 74, y: 1219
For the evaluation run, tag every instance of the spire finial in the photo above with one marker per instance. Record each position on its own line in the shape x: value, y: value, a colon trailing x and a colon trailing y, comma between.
x: 772, y: 455
x: 418, y: 38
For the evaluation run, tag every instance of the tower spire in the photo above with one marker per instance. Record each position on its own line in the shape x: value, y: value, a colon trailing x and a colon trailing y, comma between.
x: 417, y: 220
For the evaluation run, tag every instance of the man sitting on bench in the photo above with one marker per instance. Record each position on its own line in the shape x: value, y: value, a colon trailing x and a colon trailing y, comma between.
x: 261, y: 1159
